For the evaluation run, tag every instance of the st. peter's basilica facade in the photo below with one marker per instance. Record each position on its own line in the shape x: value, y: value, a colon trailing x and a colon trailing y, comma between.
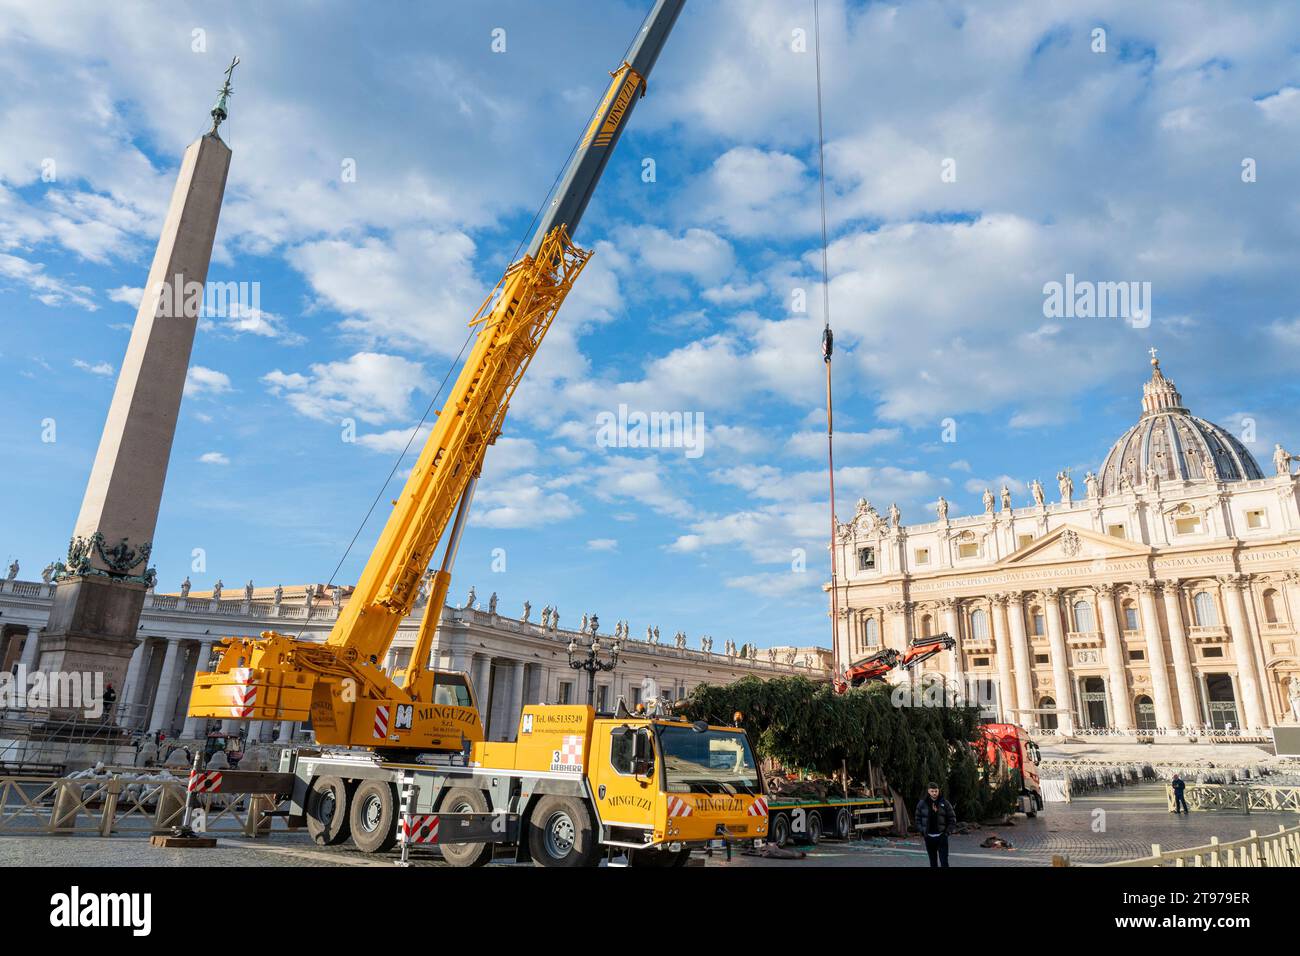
x: 1162, y: 597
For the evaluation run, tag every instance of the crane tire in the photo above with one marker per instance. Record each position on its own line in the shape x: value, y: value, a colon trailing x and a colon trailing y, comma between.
x: 561, y: 833
x: 373, y: 817
x: 328, y: 799
x: 779, y: 829
x: 465, y: 800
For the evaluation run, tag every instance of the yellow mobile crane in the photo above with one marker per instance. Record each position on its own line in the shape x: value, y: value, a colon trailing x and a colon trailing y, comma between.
x: 339, y: 684
x: 575, y: 780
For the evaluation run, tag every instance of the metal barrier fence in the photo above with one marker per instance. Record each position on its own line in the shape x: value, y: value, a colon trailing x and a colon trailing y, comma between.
x: 1061, y: 781
x: 123, y: 802
x: 1238, y: 799
x: 1280, y: 849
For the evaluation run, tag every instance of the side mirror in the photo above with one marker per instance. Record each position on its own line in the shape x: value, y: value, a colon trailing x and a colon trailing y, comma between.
x: 643, y: 755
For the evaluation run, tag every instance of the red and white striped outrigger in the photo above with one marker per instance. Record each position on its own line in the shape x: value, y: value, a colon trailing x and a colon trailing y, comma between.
x: 419, y: 828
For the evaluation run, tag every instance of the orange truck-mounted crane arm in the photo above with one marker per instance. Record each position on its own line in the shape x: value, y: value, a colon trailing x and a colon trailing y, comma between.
x: 877, y: 665
x: 339, y: 684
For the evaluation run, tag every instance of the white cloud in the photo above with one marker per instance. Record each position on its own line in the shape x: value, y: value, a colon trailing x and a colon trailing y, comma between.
x: 99, y: 368
x: 1285, y: 332
x: 753, y: 192
x: 374, y: 387
x: 778, y: 583
x: 642, y: 480
x: 200, y: 380
x: 214, y: 458
x: 509, y: 455
x: 812, y: 444
x: 242, y: 319
x: 127, y: 295
x: 395, y: 440
x: 729, y: 294
x: 44, y: 287
x: 602, y: 544
x: 524, y: 502
x: 699, y: 253
x: 416, y: 290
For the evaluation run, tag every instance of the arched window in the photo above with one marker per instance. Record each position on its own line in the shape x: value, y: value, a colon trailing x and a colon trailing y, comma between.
x: 871, y: 632
x: 927, y: 626
x: 1130, y: 616
x: 1206, y: 614
x: 1083, y: 618
x: 979, y: 624
x: 1047, y: 721
x: 1272, y: 607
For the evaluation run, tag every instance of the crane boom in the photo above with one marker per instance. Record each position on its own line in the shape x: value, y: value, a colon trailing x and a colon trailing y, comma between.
x: 340, y: 683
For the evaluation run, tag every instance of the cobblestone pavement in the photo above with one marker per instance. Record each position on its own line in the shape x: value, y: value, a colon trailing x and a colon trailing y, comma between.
x: 1132, y: 819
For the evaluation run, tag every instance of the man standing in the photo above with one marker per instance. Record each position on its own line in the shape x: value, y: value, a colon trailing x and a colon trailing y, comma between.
x: 935, y: 818
x: 1177, y: 785
x: 110, y: 698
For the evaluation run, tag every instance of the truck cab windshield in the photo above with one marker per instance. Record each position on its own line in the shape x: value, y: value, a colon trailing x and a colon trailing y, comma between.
x: 451, y: 689
x: 715, y: 761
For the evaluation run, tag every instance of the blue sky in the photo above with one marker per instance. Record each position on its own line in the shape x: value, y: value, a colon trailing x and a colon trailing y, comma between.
x: 1122, y: 165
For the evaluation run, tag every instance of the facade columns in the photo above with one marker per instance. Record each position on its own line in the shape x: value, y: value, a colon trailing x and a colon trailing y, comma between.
x: 1121, y: 706
x: 30, y: 646
x: 165, y: 699
x: 192, y: 724
x: 1060, y: 661
x: 1243, y: 653
x: 518, y: 687
x: 1006, y: 687
x: 952, y: 624
x: 1187, y: 709
x: 1156, y: 655
x: 481, y: 668
x: 1020, y: 658
x: 134, y: 697
x: 899, y: 612
x: 285, y: 735
x: 130, y: 683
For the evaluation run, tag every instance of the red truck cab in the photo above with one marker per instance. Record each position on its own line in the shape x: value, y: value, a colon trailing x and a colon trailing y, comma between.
x: 1010, y: 746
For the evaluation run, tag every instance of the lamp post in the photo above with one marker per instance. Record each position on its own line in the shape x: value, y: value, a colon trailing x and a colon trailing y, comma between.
x: 591, y: 662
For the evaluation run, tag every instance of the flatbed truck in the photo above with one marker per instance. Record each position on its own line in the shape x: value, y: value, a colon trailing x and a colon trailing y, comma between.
x: 796, y: 820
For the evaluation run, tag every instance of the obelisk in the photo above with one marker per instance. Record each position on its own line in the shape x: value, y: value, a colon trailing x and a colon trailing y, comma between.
x: 101, y: 588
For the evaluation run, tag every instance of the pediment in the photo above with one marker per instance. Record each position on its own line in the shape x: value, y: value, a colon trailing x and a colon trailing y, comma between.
x: 1072, y: 543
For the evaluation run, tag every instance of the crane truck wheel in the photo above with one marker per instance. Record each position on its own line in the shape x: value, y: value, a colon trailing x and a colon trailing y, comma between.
x: 561, y: 833
x: 327, y: 810
x: 373, y: 817
x: 779, y: 831
x: 465, y: 800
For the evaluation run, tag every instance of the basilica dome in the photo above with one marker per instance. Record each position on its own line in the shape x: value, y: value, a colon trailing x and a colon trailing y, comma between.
x: 1174, y: 444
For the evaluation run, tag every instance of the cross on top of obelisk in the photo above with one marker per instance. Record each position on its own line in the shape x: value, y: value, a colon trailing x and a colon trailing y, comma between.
x: 219, y: 112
